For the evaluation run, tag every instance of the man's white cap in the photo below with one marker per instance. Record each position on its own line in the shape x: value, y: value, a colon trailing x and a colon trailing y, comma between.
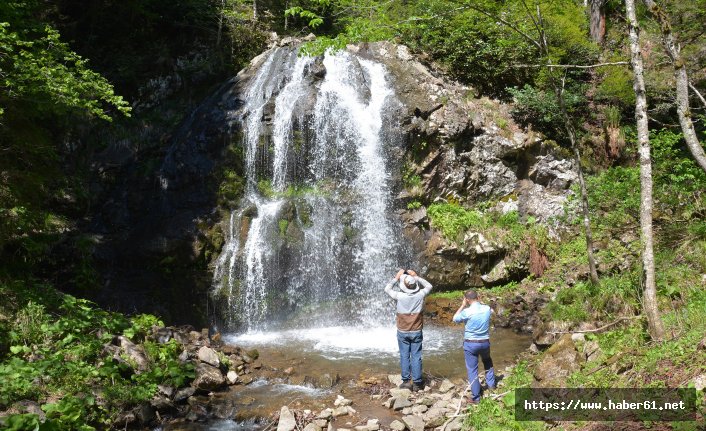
x: 409, y: 281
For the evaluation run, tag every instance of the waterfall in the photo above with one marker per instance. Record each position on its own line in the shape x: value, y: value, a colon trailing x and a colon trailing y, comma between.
x: 315, y: 239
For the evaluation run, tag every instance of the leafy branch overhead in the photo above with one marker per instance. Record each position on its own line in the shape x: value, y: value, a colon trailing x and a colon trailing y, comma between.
x: 45, y: 68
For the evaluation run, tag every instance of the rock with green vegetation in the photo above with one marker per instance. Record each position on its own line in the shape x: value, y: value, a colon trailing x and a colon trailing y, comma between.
x: 558, y: 362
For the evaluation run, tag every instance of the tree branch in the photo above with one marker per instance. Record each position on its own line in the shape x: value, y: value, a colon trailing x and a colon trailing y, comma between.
x: 573, y: 66
x: 597, y: 329
x: 697, y: 93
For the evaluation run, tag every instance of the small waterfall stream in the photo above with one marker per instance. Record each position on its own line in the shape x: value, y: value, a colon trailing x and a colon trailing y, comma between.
x: 315, y: 239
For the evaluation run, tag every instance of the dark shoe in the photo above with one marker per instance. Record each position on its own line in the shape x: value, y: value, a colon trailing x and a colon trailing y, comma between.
x: 405, y: 385
x: 472, y: 403
x: 416, y: 387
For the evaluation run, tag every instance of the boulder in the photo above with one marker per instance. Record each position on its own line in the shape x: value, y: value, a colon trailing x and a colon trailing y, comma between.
x: 135, y: 354
x: 446, y: 385
x: 208, y: 378
x: 397, y: 425
x: 183, y: 394
x: 403, y: 393
x: 287, y: 422
x: 209, y: 356
x: 543, y: 336
x: 413, y: 423
x: 232, y: 377
x: 558, y: 362
x: 400, y: 403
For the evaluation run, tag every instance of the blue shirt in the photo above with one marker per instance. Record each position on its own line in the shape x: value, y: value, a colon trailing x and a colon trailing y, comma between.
x: 477, y: 318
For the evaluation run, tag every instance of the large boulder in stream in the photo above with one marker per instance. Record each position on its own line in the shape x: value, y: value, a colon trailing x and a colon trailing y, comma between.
x: 208, y: 378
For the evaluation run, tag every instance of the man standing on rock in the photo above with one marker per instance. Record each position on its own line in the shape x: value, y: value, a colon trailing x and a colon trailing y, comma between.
x: 476, y: 341
x: 410, y: 303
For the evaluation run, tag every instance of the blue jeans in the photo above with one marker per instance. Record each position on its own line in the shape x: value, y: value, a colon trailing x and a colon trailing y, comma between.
x: 473, y: 351
x: 410, y: 344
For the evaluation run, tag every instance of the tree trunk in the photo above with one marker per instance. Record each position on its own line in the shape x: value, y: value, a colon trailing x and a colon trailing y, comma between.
x: 582, y: 183
x: 673, y: 50
x: 254, y: 10
x: 649, y: 299
x: 559, y: 91
x: 597, y: 20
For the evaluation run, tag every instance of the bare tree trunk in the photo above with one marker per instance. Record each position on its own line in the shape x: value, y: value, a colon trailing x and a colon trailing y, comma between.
x: 673, y: 50
x: 597, y: 20
x: 286, y: 17
x: 650, y: 305
x: 559, y: 91
x: 254, y: 10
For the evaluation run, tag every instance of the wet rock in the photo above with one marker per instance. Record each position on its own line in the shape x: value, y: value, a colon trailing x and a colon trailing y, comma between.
x: 208, y: 378
x: 287, y: 422
x: 413, y: 423
x: 558, y: 362
x: 400, y: 403
x: 288, y: 371
x: 446, y: 385
x: 397, y: 425
x: 184, y: 394
x: 209, y: 356
x: 161, y: 403
x: 245, y: 380
x: 327, y: 381
x: 224, y: 409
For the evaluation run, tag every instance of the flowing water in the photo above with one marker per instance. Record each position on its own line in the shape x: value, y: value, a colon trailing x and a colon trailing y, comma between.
x: 316, y: 238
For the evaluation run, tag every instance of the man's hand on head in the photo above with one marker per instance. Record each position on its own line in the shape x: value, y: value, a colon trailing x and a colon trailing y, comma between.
x: 411, y: 272
x: 399, y: 274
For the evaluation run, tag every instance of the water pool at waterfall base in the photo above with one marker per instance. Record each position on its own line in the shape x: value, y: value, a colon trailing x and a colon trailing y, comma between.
x: 347, y: 357
x: 350, y: 351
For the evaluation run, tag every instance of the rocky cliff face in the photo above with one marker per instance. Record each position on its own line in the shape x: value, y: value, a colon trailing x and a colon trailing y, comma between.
x: 468, y: 150
x: 155, y: 230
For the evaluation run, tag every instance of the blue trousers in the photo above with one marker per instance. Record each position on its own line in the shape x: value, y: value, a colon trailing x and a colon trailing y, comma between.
x: 410, y: 344
x: 473, y: 351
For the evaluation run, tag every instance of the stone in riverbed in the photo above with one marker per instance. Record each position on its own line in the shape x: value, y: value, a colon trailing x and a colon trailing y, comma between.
x: 209, y: 356
x: 414, y: 423
x: 400, y: 393
x: 407, y: 411
x: 232, y: 377
x: 425, y: 401
x: 419, y: 409
x: 325, y: 414
x: 342, y: 401
x: 340, y: 411
x: 321, y: 423
x: 446, y: 386
x: 183, y: 394
x: 395, y: 379
x: 373, y: 425
x: 311, y: 426
x: 208, y: 378
x: 287, y: 422
x: 401, y: 403
x: 397, y: 425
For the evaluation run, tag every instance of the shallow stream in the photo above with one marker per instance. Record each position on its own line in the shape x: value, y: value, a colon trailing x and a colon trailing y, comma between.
x: 354, y: 354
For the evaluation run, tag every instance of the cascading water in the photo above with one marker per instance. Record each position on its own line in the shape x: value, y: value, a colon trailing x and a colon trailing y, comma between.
x: 315, y: 239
